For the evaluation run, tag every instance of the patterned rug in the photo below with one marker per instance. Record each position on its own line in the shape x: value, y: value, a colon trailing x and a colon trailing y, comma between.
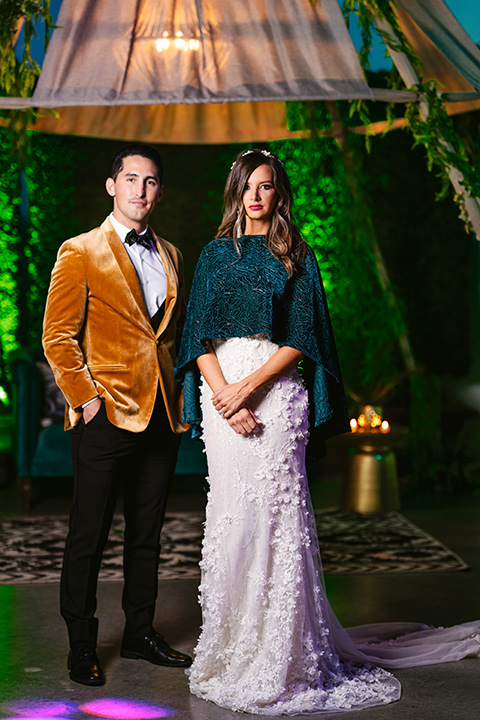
x: 31, y: 548
x: 358, y: 544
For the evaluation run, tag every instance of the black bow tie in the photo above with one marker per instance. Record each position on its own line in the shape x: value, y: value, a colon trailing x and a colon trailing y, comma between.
x: 145, y: 239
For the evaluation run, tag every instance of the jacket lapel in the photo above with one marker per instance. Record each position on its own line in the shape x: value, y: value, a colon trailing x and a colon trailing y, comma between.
x: 130, y: 278
x: 172, y: 284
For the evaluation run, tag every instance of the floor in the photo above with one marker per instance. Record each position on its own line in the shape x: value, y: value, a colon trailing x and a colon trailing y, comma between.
x: 33, y: 643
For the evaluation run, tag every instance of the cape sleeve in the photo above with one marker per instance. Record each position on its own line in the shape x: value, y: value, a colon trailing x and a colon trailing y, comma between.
x: 195, y: 332
x: 303, y: 322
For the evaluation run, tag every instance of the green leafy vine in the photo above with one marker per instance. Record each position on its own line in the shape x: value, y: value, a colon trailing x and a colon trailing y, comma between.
x: 435, y: 131
x: 432, y: 128
x: 19, y: 71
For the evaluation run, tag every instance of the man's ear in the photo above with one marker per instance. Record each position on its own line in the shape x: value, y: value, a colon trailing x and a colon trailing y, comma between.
x: 110, y: 185
x: 160, y: 193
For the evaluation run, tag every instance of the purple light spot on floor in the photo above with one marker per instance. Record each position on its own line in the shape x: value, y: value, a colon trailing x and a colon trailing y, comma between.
x: 125, y: 709
x: 35, y: 717
x: 40, y: 708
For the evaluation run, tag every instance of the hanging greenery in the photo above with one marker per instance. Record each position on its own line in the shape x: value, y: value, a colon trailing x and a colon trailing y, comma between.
x: 19, y: 71
x: 427, y: 118
x: 437, y: 134
x: 367, y: 11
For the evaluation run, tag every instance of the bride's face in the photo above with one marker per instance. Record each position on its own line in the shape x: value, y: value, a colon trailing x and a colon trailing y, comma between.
x: 259, y: 197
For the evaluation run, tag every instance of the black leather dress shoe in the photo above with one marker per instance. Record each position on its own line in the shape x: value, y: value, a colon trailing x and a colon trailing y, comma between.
x: 84, y: 667
x: 154, y: 649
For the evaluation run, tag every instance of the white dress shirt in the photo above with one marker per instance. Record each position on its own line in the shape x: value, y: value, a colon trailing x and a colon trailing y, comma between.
x: 148, y: 266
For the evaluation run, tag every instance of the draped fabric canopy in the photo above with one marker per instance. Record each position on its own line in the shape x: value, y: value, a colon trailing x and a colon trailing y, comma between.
x: 199, y: 51
x: 218, y: 71
x: 447, y: 52
x: 446, y: 36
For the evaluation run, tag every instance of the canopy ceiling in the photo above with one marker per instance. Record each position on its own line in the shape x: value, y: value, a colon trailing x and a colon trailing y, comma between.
x: 199, y: 51
x: 213, y: 71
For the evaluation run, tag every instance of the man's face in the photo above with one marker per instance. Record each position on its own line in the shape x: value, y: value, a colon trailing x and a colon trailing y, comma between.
x: 135, y: 192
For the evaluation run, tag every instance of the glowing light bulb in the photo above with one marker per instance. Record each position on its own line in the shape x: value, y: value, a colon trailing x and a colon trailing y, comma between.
x: 353, y: 425
x: 162, y: 44
x: 385, y: 427
x: 178, y: 41
x: 362, y: 420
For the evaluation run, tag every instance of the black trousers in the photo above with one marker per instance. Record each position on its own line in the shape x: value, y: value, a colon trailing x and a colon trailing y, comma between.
x: 105, y: 457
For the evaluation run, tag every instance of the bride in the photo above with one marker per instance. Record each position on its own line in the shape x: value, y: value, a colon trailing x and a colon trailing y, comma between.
x: 258, y: 330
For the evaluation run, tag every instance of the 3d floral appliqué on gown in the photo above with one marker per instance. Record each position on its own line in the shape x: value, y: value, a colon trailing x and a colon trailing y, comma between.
x: 270, y: 642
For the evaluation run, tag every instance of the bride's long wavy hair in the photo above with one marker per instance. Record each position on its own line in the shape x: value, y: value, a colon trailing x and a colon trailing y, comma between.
x: 283, y: 237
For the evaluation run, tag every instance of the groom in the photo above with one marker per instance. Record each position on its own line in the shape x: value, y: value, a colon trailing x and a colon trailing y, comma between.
x: 112, y: 325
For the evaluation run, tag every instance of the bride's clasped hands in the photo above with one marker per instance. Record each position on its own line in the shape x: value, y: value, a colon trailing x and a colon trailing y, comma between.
x: 229, y: 401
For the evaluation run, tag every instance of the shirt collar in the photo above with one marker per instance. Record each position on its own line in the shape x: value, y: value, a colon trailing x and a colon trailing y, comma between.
x: 120, y: 229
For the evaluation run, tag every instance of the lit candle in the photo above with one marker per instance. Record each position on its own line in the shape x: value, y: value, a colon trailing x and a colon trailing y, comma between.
x: 385, y: 427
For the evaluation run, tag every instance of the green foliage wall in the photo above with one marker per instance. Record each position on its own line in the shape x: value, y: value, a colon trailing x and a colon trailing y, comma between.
x: 28, y: 253
x: 10, y: 194
x: 361, y: 318
x: 50, y: 177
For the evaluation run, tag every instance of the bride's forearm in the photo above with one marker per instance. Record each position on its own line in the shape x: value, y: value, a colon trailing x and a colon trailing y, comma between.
x: 210, y: 369
x: 277, y: 366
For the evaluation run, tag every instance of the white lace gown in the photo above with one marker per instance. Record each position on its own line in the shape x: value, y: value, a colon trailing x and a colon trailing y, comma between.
x: 270, y: 642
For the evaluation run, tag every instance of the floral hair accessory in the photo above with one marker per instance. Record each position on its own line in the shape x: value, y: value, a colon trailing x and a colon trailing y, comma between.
x: 257, y: 150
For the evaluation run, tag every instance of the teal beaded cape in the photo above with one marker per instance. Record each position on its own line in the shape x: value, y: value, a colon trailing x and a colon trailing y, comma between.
x: 236, y: 295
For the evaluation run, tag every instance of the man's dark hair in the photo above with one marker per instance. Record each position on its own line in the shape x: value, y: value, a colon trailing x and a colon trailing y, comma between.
x: 146, y: 151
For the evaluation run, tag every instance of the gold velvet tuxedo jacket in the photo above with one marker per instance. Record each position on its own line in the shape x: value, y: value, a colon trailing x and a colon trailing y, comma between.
x: 98, y: 338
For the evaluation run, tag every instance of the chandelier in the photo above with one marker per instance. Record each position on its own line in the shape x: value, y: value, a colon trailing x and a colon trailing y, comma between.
x: 176, y: 41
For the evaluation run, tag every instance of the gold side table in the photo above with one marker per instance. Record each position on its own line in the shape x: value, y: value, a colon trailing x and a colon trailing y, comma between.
x: 371, y: 485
